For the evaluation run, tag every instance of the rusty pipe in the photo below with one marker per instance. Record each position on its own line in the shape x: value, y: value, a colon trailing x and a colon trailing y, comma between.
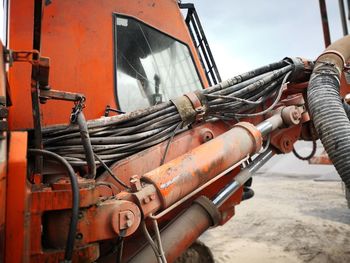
x: 176, y: 179
x: 182, y: 232
x: 324, y: 20
x: 181, y: 176
x: 199, y: 189
x: 338, y: 53
x: 202, y: 214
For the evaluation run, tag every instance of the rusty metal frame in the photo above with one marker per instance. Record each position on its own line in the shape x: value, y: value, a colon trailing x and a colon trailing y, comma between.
x: 324, y: 20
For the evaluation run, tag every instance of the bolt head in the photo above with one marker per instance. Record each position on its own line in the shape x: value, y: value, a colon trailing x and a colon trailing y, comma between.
x: 206, y: 135
x: 129, y: 223
x: 135, y: 183
x: 79, y: 236
x: 128, y: 216
x: 146, y: 200
x: 296, y: 115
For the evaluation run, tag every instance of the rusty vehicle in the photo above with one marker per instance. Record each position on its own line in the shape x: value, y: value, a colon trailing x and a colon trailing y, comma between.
x: 120, y: 142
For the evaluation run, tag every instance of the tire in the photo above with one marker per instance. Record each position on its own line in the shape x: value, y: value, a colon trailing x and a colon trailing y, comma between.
x: 196, y: 253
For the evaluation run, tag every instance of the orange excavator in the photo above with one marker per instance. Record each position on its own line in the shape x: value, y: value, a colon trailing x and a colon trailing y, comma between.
x: 121, y: 143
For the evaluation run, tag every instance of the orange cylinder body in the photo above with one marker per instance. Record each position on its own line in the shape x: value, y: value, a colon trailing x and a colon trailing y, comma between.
x: 184, y: 174
x: 179, y: 235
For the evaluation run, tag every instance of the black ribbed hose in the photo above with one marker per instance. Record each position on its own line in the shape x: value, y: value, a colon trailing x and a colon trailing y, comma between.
x: 331, y: 121
x: 326, y: 106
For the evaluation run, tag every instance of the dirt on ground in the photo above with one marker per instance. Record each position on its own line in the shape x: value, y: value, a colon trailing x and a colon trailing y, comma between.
x: 298, y: 214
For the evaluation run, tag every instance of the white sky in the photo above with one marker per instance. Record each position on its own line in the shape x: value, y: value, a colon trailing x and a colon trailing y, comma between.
x: 245, y: 34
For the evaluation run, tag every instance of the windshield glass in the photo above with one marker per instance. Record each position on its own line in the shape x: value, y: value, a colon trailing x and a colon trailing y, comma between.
x: 151, y: 66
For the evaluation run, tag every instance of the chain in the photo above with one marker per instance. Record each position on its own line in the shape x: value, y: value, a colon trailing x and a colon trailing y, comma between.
x: 78, y: 107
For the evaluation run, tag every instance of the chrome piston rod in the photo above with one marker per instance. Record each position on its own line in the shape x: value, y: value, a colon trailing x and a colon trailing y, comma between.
x: 285, y: 116
x: 242, y: 177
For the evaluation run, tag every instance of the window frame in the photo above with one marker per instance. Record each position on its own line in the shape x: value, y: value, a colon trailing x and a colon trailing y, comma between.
x: 115, y: 56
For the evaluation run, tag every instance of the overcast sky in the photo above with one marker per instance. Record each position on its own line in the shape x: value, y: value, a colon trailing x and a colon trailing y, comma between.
x: 245, y: 34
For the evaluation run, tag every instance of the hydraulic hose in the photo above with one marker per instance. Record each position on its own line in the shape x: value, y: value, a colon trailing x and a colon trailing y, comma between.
x: 326, y: 106
x: 75, y: 199
x: 116, y: 137
x: 85, y: 140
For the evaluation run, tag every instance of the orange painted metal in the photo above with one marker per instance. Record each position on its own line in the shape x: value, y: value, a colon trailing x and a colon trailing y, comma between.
x: 177, y: 237
x: 81, y: 48
x: 79, y: 39
x: 181, y: 144
x: 17, y: 220
x: 107, y: 220
x: 21, y: 38
x: 3, y: 161
x: 321, y: 158
x: 88, y: 253
x: 284, y: 139
x: 182, y: 175
x: 139, y: 164
x: 47, y: 199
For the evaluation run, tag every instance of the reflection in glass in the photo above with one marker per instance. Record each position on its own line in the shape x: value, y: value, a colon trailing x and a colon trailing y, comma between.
x: 151, y: 67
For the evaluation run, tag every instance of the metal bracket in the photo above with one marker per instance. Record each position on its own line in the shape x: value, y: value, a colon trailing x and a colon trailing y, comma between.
x: 109, y: 109
x: 30, y: 56
x: 33, y: 57
x: 210, y: 208
x: 191, y: 107
x: 45, y: 94
x: 197, y: 104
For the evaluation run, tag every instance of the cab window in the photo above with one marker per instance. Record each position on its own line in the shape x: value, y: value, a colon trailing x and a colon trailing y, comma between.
x: 151, y: 67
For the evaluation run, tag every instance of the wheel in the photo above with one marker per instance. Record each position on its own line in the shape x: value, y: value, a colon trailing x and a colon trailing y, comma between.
x: 196, y: 253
